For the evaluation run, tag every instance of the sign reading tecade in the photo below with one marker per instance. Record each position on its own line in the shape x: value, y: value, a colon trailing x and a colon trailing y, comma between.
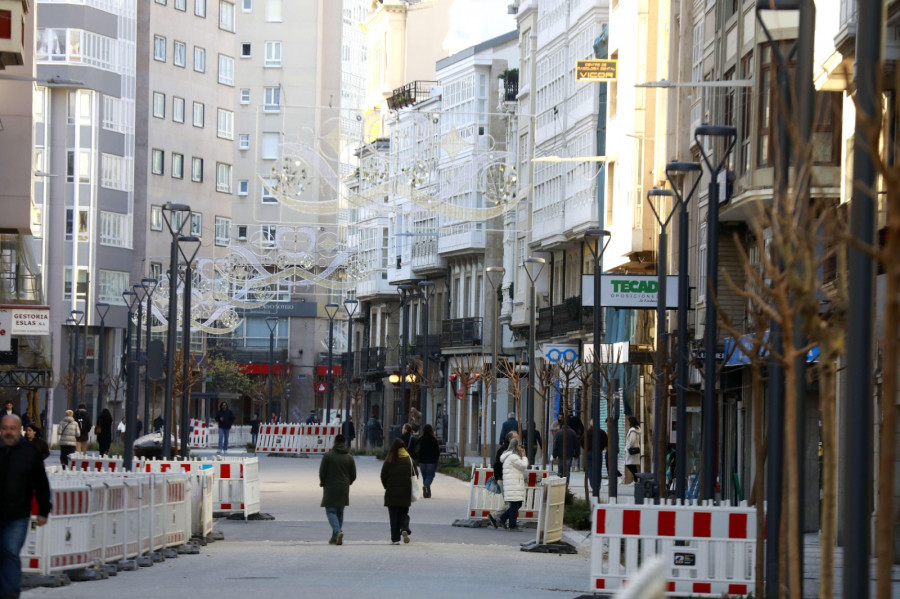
x: 598, y: 69
x: 628, y: 291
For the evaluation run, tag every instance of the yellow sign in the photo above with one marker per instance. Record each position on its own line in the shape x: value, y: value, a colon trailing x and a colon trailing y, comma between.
x: 596, y: 70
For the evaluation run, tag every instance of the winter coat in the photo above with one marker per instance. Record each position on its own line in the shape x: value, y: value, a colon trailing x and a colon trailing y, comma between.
x: 105, y: 422
x: 336, y: 473
x: 510, y: 425
x: 68, y: 431
x: 632, y: 439
x: 254, y: 426
x: 41, y: 447
x: 514, y: 467
x: 84, y: 425
x: 225, y: 418
x: 571, y: 442
x: 429, y: 450
x: 23, y: 476
x: 395, y: 478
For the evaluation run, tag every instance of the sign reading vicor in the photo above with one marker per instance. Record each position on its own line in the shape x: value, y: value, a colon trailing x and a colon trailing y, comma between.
x: 28, y: 320
x: 598, y: 69
x: 629, y: 291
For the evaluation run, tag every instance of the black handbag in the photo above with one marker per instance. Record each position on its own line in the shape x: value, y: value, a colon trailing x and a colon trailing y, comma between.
x: 634, y: 450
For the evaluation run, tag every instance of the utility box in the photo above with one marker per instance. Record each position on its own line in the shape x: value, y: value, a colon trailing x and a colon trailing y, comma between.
x: 646, y: 488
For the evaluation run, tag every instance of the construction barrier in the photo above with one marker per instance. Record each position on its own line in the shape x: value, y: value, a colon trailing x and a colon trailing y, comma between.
x: 708, y: 550
x: 203, y: 435
x: 296, y: 438
x: 80, y: 461
x: 482, y: 502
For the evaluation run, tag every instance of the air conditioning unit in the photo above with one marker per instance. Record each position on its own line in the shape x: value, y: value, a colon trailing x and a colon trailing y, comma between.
x: 543, y: 300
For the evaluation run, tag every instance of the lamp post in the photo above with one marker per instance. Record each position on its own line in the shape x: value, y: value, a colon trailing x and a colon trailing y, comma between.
x: 148, y: 284
x: 663, y: 214
x: 169, y: 212
x: 102, y: 309
x: 729, y: 136
x: 533, y: 268
x: 495, y: 278
x: 350, y: 306
x: 331, y: 309
x: 78, y: 318
x: 188, y: 257
x: 597, y: 256
x: 131, y: 300
x: 272, y: 324
x: 426, y: 291
x: 681, y: 355
x: 140, y: 292
x: 70, y: 325
x: 406, y: 292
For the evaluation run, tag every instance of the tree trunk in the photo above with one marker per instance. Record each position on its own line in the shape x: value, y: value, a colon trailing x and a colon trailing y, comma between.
x: 759, y: 486
x: 829, y: 477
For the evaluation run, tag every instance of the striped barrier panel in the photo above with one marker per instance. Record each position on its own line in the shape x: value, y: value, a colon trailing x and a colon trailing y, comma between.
x: 482, y: 502
x: 709, y: 551
x: 201, y: 502
x: 203, y: 435
x: 80, y: 461
x: 199, y: 435
x: 296, y: 438
x: 552, y: 509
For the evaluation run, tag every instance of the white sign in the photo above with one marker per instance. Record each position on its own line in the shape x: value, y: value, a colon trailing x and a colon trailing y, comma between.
x: 30, y: 320
x: 5, y: 332
x: 629, y: 291
x: 610, y: 353
x: 559, y: 352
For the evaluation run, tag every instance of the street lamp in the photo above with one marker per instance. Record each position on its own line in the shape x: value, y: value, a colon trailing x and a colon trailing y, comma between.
x: 406, y: 293
x: 148, y: 284
x: 597, y: 256
x: 674, y: 169
x: 169, y: 212
x: 331, y: 309
x: 350, y: 306
x: 140, y: 292
x: 131, y: 382
x: 729, y: 136
x: 272, y: 324
x: 188, y: 257
x: 78, y: 317
x: 533, y: 268
x: 102, y: 309
x: 495, y: 276
x: 426, y: 291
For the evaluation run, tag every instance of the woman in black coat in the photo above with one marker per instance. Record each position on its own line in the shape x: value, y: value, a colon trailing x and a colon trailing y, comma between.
x: 429, y: 452
x: 104, y: 431
x: 396, y: 476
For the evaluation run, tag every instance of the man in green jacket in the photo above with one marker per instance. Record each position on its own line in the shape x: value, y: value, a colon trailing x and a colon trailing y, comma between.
x: 336, y: 473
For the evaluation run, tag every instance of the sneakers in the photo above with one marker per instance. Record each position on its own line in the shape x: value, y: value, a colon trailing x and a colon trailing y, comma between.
x: 332, y: 541
x: 493, y: 520
x: 395, y: 542
x: 514, y: 528
x: 405, y: 536
x: 340, y: 538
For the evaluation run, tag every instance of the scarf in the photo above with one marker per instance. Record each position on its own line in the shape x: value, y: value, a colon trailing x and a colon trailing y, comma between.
x: 402, y: 453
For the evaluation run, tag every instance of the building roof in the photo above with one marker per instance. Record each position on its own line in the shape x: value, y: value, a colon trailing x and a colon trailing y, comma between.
x: 473, y: 50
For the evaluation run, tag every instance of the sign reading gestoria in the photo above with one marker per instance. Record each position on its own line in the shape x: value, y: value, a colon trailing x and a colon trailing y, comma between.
x: 28, y: 320
x: 629, y: 291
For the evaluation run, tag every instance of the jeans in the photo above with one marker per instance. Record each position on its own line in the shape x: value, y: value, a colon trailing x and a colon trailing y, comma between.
x: 335, y: 519
x: 512, y: 514
x: 13, y: 534
x: 567, y: 463
x: 254, y: 436
x: 428, y: 471
x: 590, y: 465
x: 399, y: 517
x: 223, y: 439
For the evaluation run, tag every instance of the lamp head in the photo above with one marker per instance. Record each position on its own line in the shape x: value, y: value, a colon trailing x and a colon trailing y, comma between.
x: 683, y: 167
x: 140, y: 291
x: 102, y: 308
x: 350, y: 305
x: 405, y: 291
x: 191, y: 241
x: 495, y: 275
x: 777, y: 5
x: 534, y: 267
x: 426, y: 289
x: 78, y: 315
x: 394, y: 379
x: 130, y: 299
x: 715, y: 131
x: 331, y: 309
x: 173, y: 207
x: 149, y: 284
x: 272, y: 323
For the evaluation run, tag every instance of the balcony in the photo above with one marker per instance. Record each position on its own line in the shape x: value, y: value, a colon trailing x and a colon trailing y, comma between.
x: 434, y: 346
x: 410, y: 94
x: 461, y: 332
x: 510, y: 88
x: 568, y: 317
x: 462, y: 239
x: 372, y: 359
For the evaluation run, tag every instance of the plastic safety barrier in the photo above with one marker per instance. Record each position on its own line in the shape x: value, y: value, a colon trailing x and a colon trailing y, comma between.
x: 482, y: 502
x: 296, y: 438
x: 552, y: 509
x: 80, y: 461
x: 708, y: 551
x: 203, y: 435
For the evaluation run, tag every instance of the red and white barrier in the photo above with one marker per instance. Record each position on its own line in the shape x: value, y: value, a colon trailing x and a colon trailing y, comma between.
x: 80, y: 461
x: 482, y: 502
x: 709, y: 551
x: 296, y: 438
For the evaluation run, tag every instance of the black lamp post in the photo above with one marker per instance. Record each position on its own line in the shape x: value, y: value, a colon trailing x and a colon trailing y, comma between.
x: 494, y: 276
x: 406, y: 292
x: 169, y: 210
x: 663, y: 214
x: 602, y: 239
x: 78, y: 317
x: 729, y: 136
x: 102, y: 309
x: 681, y: 357
x: 350, y: 306
x: 148, y: 284
x: 272, y: 324
x: 188, y: 257
x: 426, y: 291
x: 533, y: 268
x: 331, y: 309
x: 70, y: 325
x: 131, y: 382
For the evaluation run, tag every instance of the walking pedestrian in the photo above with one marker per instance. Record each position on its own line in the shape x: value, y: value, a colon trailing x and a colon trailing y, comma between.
x: 254, y: 428
x: 225, y: 419
x: 83, y: 418
x: 396, y: 475
x: 429, y: 452
x: 68, y: 433
x: 348, y: 430
x: 104, y: 431
x: 336, y: 473
x: 374, y: 432
x: 8, y: 409
x: 410, y: 441
x: 514, y: 465
x: 565, y: 449
x: 33, y: 435
x: 23, y: 478
x: 509, y: 426
x: 494, y: 517
x: 633, y: 446
x: 312, y: 418
x: 121, y: 430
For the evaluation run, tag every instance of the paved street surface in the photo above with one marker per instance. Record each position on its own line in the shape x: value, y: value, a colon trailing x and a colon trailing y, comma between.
x: 291, y: 555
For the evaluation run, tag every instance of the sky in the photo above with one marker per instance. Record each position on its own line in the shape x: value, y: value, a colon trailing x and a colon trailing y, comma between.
x: 474, y: 21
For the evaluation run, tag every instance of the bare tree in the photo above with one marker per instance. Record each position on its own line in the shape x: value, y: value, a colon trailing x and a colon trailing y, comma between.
x: 467, y: 368
x: 511, y: 370
x: 546, y: 376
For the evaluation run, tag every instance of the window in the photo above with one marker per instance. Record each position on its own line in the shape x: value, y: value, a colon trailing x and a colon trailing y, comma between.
x: 270, y: 146
x: 82, y: 286
x: 198, y: 114
x: 244, y: 143
x: 157, y: 165
x: 156, y: 219
x: 178, y: 109
x: 156, y: 270
x: 226, y: 70
x: 273, y: 54
x: 701, y: 264
x: 177, y: 166
x: 116, y: 172
x: 197, y: 169
x: 267, y: 239
x: 243, y: 187
x: 242, y: 232
x: 226, y: 15
x: 272, y: 102
x: 248, y: 5
x: 225, y: 120
x: 78, y: 166
x: 163, y: 2
x: 223, y: 177
x: 159, y: 48
x: 179, y: 54
x: 223, y: 230
x: 110, y: 285
x: 115, y: 229
x: 273, y: 10
x: 77, y: 222
x: 159, y: 105
x: 246, y: 50
x: 199, y: 59
x: 196, y: 224
x: 181, y: 5
x: 200, y: 8
x: 245, y: 96
x: 266, y: 192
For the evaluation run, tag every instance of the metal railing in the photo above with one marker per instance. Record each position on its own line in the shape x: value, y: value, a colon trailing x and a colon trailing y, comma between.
x: 461, y: 332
